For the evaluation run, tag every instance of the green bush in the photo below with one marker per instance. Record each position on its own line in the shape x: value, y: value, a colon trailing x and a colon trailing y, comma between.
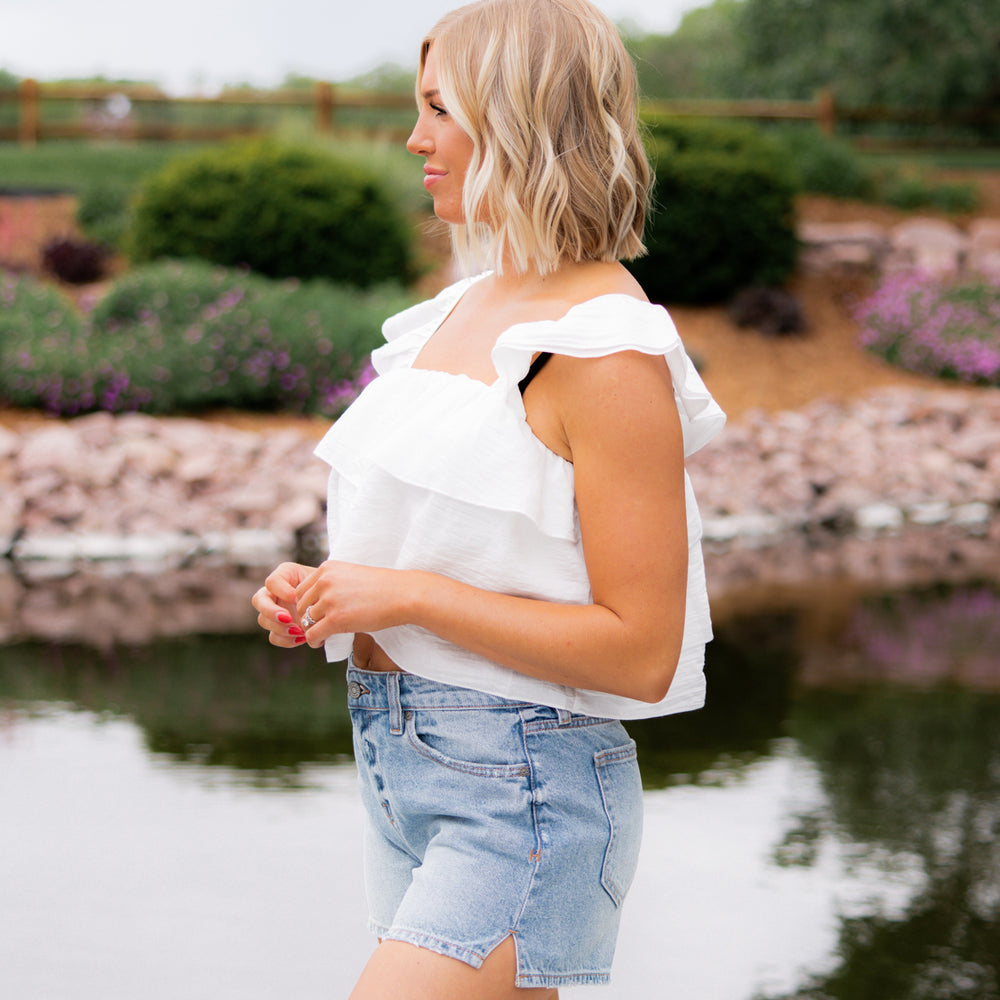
x: 102, y: 213
x: 723, y: 214
x: 825, y: 165
x: 183, y: 337
x: 908, y: 190
x: 822, y: 164
x: 281, y: 210
x: 43, y: 352
x: 686, y: 135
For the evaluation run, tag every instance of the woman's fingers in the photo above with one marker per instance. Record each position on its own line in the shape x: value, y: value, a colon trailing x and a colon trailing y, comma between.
x: 275, y: 617
x: 285, y: 578
x: 342, y: 597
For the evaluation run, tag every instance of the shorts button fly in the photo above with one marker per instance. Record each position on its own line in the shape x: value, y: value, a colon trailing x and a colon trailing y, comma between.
x: 355, y: 690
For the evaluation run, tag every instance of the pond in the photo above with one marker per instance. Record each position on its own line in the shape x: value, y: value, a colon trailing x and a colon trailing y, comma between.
x: 179, y: 817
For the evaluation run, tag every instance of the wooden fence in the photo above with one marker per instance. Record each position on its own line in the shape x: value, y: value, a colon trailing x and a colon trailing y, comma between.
x: 108, y: 111
x: 137, y: 112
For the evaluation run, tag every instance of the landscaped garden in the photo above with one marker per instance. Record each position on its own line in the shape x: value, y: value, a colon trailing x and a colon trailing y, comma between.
x: 210, y: 277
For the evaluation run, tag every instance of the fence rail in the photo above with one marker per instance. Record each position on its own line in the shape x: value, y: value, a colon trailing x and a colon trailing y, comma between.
x: 109, y: 111
x: 130, y: 112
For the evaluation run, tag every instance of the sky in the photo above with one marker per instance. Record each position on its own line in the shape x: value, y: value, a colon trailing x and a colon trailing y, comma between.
x: 196, y: 46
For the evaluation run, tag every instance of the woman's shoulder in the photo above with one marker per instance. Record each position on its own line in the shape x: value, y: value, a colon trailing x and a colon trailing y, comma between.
x: 602, y: 323
x: 611, y: 337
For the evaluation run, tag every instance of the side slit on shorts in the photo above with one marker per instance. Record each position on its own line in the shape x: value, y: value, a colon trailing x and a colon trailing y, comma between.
x: 489, y: 818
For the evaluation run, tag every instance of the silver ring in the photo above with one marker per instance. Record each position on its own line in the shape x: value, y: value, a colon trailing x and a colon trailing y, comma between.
x: 307, y: 619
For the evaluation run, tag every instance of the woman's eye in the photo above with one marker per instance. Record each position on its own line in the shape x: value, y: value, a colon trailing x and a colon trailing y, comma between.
x: 438, y: 110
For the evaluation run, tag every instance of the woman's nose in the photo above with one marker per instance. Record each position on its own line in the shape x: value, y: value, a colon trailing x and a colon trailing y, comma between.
x: 419, y: 143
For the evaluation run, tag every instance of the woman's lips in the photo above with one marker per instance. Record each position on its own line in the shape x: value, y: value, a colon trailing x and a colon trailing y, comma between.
x: 432, y: 176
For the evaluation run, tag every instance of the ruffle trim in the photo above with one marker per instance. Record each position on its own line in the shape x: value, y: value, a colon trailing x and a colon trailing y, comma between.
x: 603, y: 325
x: 483, y: 453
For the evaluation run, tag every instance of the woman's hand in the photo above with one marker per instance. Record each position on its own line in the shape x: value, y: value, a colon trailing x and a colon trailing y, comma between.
x: 276, y: 605
x: 347, y: 598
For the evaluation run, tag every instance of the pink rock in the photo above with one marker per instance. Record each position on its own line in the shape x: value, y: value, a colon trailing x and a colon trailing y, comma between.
x: 10, y: 443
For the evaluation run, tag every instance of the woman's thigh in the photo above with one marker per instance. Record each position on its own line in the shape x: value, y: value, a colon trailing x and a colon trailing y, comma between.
x: 405, y: 972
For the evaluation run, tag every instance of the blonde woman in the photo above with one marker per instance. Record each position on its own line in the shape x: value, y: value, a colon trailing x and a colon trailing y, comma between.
x: 515, y: 560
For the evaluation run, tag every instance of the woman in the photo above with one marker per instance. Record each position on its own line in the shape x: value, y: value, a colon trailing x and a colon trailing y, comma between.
x: 515, y: 556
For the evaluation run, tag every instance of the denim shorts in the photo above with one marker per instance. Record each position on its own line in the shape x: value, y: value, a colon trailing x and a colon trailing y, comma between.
x: 489, y: 818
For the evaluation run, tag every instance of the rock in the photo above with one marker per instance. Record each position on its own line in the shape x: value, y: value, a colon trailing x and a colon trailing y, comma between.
x: 929, y: 245
x: 868, y: 465
x: 296, y: 514
x: 843, y: 246
x: 49, y: 449
x: 878, y: 517
x: 972, y: 514
x: 984, y: 247
x: 929, y: 512
x: 9, y: 443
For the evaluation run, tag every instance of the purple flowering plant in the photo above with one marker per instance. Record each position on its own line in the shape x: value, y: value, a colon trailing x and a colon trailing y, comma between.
x: 948, y: 327
x: 182, y: 337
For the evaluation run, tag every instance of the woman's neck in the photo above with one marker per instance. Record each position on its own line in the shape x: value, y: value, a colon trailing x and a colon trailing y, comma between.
x: 567, y: 276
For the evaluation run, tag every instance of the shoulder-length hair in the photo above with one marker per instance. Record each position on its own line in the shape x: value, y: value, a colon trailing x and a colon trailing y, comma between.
x: 548, y: 95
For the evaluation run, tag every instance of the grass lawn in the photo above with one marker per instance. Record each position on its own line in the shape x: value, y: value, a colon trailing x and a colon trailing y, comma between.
x: 74, y: 166
x: 984, y: 158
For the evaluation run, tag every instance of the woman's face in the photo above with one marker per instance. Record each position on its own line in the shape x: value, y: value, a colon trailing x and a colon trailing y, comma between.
x: 445, y: 148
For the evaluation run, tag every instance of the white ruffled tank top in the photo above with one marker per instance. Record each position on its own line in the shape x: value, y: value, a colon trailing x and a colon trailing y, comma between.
x: 441, y: 472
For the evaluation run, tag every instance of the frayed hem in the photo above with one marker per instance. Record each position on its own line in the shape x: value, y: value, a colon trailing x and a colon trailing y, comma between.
x: 554, y: 982
x: 475, y: 958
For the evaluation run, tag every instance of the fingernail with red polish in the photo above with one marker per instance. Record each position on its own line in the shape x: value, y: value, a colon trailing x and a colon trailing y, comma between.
x: 299, y: 639
x: 284, y: 617
x: 295, y: 630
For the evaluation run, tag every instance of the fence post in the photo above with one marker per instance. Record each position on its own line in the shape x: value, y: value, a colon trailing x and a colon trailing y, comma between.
x: 324, y: 106
x: 28, y: 120
x: 826, y: 111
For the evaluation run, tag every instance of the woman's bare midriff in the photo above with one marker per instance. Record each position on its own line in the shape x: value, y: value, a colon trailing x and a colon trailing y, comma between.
x: 369, y: 655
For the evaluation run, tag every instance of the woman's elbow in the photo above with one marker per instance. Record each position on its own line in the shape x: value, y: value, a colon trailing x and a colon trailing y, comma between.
x: 656, y: 672
x: 656, y: 685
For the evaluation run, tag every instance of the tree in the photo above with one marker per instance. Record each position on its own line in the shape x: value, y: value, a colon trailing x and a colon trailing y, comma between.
x: 697, y: 60
x: 936, y: 54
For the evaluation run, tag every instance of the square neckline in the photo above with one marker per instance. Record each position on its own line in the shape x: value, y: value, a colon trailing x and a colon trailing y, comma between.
x: 461, y: 293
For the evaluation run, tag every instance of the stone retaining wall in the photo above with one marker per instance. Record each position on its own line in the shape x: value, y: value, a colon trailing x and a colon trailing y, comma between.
x: 123, y: 529
x: 934, y: 246
x: 140, y: 488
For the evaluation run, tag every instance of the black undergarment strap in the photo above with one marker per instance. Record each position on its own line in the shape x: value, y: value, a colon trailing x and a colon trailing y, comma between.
x: 536, y: 366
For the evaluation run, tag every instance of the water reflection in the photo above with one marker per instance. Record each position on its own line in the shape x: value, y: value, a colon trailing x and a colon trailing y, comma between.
x: 911, y: 778
x: 829, y: 827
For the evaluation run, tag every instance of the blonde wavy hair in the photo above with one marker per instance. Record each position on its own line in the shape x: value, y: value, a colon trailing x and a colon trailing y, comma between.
x: 548, y: 95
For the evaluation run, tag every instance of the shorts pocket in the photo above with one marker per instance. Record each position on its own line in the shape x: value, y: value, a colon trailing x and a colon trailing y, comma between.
x: 621, y: 791
x: 453, y: 740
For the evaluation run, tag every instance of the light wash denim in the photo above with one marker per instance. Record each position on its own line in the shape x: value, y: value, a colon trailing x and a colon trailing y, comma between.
x: 489, y: 818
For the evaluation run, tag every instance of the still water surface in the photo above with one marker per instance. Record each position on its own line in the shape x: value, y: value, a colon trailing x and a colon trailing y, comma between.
x: 180, y: 819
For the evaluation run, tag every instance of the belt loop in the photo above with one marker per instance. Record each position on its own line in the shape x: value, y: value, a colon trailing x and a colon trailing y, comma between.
x: 564, y: 716
x: 395, y: 705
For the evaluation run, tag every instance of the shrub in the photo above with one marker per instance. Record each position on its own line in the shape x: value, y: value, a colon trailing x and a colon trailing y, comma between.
x: 42, y: 346
x: 102, y: 213
x: 770, y: 310
x: 281, y: 210
x: 77, y: 262
x: 182, y: 337
x: 935, y: 326
x: 822, y: 164
x: 825, y: 165
x: 687, y: 135
x: 723, y: 215
x: 908, y: 190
